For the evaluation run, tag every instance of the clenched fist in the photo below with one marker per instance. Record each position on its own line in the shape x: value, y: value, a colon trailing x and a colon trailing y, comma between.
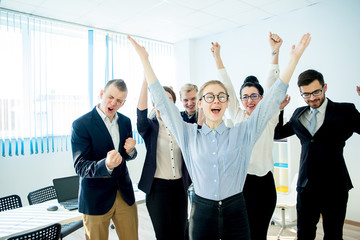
x: 129, y: 145
x: 113, y: 159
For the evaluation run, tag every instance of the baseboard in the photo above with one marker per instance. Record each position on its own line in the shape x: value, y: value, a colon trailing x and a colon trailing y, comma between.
x: 357, y: 224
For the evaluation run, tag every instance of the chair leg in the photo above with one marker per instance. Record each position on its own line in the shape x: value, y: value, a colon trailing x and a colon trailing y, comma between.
x: 283, y: 226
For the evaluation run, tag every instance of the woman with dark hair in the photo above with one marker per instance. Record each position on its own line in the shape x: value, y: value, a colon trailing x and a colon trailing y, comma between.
x: 259, y: 189
x: 164, y: 177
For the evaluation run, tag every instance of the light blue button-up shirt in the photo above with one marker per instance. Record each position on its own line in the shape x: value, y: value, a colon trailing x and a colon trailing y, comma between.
x: 217, y: 160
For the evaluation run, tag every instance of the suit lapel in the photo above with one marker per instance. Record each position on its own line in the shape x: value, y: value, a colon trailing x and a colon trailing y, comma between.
x: 328, y: 115
x: 300, y: 125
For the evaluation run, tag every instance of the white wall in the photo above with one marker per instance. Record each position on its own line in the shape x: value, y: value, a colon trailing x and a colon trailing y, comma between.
x: 334, y: 51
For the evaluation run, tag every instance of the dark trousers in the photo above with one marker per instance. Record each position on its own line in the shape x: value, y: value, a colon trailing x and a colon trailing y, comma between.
x: 260, y: 199
x: 331, y: 204
x: 213, y: 220
x: 167, y: 206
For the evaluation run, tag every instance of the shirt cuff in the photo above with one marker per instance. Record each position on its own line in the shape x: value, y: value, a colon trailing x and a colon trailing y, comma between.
x: 109, y: 170
x: 132, y: 153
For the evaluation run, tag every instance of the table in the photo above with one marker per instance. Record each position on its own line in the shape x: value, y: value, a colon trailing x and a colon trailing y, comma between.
x: 29, y: 218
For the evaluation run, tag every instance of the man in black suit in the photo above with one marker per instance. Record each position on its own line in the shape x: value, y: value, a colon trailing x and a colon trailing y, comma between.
x: 322, y: 127
x: 101, y: 143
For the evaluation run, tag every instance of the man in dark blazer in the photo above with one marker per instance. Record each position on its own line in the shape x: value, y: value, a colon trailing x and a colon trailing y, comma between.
x: 101, y: 143
x: 324, y: 180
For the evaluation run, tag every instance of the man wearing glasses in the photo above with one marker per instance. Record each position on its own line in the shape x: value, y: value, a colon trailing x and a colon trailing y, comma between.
x: 322, y: 127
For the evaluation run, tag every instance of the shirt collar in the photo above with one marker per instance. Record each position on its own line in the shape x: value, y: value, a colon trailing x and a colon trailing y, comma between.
x: 104, y: 117
x: 190, y: 115
x: 219, y: 129
x: 322, y: 108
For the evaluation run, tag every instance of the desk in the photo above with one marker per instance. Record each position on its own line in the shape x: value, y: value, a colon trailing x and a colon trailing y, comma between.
x: 31, y: 217
x: 28, y: 218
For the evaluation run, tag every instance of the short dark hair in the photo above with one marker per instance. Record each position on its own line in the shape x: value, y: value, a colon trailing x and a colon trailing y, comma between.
x: 119, y: 84
x: 307, y: 77
x: 172, y: 93
x: 252, y: 81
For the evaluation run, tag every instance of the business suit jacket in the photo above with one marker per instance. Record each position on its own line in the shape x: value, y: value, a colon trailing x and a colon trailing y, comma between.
x: 91, y: 141
x: 149, y: 131
x: 322, y: 163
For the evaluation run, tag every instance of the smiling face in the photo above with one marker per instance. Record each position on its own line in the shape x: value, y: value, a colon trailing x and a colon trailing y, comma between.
x: 111, y: 100
x: 189, y: 100
x: 250, y: 104
x: 312, y: 101
x: 214, y: 111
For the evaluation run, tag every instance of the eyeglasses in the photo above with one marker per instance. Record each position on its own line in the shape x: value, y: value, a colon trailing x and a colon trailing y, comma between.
x: 209, y: 97
x: 254, y: 96
x: 315, y: 93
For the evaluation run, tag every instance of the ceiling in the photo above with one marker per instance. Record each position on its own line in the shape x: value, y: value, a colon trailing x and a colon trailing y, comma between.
x: 165, y: 20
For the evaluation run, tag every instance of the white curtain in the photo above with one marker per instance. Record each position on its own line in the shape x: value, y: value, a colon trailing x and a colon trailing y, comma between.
x: 51, y: 73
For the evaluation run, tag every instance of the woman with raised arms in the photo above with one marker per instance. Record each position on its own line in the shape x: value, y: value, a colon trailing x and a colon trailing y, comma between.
x: 217, y: 157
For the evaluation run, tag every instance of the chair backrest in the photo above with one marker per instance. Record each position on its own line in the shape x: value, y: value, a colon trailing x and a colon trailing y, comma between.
x: 42, y: 195
x: 51, y: 232
x: 10, y: 202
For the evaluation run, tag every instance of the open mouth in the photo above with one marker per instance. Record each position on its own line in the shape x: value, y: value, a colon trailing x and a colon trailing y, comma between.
x: 110, y: 109
x: 216, y: 110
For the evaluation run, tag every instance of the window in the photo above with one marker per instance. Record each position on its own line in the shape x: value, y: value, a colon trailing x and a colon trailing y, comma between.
x: 51, y: 73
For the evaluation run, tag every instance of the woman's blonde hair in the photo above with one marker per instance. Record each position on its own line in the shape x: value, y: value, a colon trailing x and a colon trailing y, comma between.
x: 211, y: 82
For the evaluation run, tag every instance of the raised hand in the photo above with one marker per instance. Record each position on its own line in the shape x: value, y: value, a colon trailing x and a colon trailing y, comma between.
x: 144, y: 57
x: 129, y: 145
x: 275, y: 42
x: 215, y: 50
x: 295, y: 55
x: 113, y: 159
x: 285, y: 102
x: 143, y: 54
x: 298, y: 50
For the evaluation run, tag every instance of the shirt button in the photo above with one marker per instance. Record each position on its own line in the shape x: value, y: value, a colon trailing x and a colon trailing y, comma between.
x: 213, y: 140
x: 214, y: 165
x: 214, y: 153
x: 215, y: 195
x: 214, y: 180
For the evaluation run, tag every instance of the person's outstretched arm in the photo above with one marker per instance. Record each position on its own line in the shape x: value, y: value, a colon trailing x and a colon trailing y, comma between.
x: 236, y: 113
x: 144, y: 58
x: 273, y: 73
x: 142, y: 103
x: 295, y: 55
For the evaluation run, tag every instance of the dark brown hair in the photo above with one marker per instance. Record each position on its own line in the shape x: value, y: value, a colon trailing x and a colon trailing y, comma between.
x: 307, y: 77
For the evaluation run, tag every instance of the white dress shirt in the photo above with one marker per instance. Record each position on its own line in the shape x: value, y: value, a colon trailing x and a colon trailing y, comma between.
x: 168, y: 154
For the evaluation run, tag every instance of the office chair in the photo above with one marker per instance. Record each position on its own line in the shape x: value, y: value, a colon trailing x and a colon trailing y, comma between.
x: 42, y: 195
x: 10, y: 202
x: 51, y: 232
x: 286, y: 201
x: 49, y: 193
